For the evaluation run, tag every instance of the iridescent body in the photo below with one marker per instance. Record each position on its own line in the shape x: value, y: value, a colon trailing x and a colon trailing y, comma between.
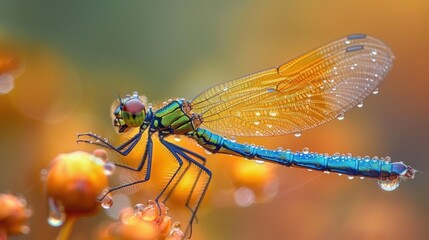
x: 304, y: 93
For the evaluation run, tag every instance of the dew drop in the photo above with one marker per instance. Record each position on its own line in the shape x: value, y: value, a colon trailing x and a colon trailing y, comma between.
x: 175, y: 234
x: 233, y: 139
x: 350, y: 177
x: 387, y: 159
x: 109, y: 168
x: 225, y: 89
x: 340, y: 174
x: 257, y: 123
x: 177, y: 138
x: 310, y: 170
x: 207, y: 152
x: 347, y: 42
x: 56, y: 216
x: 388, y: 185
x: 43, y: 175
x: 272, y: 114
x: 176, y: 225
x: 305, y: 150
x: 326, y: 172
x: 360, y: 105
x: 6, y: 83
x: 340, y: 116
x: 362, y: 178
x: 279, y: 149
x: 138, y: 208
x: 297, y: 134
x: 259, y: 161
x: 25, y: 229
x: 375, y: 91
x: 373, y: 52
x: 107, y: 202
x: 257, y: 113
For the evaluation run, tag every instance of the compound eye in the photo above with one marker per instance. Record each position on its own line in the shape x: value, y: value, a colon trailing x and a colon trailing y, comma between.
x: 134, y: 106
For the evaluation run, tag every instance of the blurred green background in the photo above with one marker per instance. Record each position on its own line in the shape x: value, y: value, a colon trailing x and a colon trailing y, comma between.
x: 169, y: 49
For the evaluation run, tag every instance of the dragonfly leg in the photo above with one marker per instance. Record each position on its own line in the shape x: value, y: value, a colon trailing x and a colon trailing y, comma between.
x: 124, y: 149
x: 191, y: 158
x: 145, y: 162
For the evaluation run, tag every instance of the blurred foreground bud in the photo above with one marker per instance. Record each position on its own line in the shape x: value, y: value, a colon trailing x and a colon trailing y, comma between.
x: 11, y: 63
x: 73, y: 182
x: 13, y: 215
x: 144, y: 223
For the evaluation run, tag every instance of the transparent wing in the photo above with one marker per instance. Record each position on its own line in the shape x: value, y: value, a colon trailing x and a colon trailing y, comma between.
x: 301, y: 94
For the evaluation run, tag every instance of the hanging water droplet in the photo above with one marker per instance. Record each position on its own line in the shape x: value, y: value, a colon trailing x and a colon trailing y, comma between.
x: 347, y: 42
x: 109, y: 168
x: 305, y: 150
x: 138, y: 208
x: 340, y: 116
x: 43, y: 175
x: 360, y: 105
x: 207, y: 152
x: 326, y: 172
x: 259, y: 161
x: 362, y: 178
x: 177, y: 138
x: 233, y: 139
x: 25, y: 229
x: 310, y: 170
x: 375, y: 91
x: 225, y: 89
x: 389, y: 185
x: 107, y: 202
x: 6, y: 83
x: 350, y: 177
x: 56, y: 216
x: 374, y: 52
x: 297, y: 134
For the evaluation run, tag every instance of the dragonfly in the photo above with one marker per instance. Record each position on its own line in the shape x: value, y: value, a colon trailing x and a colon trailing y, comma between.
x: 301, y: 94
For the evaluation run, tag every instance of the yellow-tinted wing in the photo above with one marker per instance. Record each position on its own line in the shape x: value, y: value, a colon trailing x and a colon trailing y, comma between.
x: 301, y: 94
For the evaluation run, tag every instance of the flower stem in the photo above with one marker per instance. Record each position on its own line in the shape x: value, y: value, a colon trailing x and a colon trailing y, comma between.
x: 67, y: 228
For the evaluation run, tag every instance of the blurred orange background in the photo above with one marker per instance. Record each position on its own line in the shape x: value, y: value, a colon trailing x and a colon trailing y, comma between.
x: 178, y: 49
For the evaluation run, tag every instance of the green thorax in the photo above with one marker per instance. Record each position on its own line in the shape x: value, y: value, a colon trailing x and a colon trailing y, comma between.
x: 176, y: 118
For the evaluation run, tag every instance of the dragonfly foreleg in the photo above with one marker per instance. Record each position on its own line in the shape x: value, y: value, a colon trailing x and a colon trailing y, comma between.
x: 146, y: 161
x: 124, y: 149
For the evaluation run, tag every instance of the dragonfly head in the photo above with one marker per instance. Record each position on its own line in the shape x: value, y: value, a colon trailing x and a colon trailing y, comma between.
x: 128, y: 112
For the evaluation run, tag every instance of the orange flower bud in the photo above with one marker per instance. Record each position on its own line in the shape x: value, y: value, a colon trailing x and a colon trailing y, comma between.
x: 144, y: 223
x: 74, y: 181
x: 13, y: 215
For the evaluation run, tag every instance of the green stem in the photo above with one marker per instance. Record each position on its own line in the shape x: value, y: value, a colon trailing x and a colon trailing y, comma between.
x: 67, y: 228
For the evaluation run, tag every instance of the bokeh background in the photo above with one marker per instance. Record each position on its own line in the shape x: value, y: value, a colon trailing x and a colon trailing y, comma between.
x: 169, y: 49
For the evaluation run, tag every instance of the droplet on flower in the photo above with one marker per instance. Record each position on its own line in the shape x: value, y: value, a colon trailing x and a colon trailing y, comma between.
x: 56, y: 215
